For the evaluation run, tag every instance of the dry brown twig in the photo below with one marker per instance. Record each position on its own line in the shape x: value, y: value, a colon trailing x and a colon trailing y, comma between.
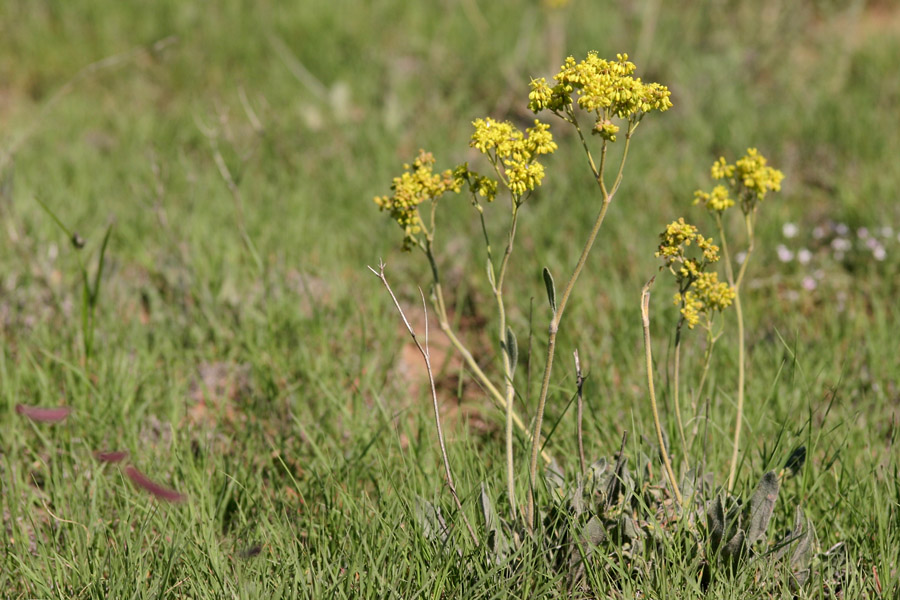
x: 437, y: 415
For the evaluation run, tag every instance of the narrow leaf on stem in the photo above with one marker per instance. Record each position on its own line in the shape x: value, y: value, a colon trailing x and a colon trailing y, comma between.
x: 512, y: 351
x: 551, y: 289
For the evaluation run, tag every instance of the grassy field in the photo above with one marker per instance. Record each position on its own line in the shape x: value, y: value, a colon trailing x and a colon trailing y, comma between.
x: 244, y: 355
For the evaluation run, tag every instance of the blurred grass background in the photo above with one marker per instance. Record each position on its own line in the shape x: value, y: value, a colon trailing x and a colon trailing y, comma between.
x: 273, y: 391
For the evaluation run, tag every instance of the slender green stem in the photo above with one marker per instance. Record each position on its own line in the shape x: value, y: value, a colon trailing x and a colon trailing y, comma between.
x: 560, y: 310
x: 579, y: 383
x: 707, y: 359
x: 507, y: 366
x: 648, y: 355
x: 571, y: 118
x: 676, y: 395
x: 736, y: 283
x: 739, y: 417
x: 444, y: 322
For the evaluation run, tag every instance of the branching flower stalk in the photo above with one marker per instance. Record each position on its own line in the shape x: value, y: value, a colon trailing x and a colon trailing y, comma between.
x: 607, y: 90
x: 448, y: 474
x: 748, y: 181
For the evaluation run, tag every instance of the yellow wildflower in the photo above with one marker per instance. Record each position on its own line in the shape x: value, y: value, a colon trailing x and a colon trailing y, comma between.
x: 513, y: 153
x: 414, y: 186
x: 604, y: 87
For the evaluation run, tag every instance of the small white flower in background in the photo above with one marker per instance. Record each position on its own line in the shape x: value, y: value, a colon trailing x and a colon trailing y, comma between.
x: 879, y: 253
x: 862, y: 233
x: 818, y: 232
x: 841, y: 229
x: 872, y: 243
x: 789, y: 230
x: 784, y: 255
x: 841, y: 301
x: 841, y: 244
x: 740, y: 257
x: 887, y: 231
x: 819, y: 274
x: 809, y: 283
x: 804, y: 256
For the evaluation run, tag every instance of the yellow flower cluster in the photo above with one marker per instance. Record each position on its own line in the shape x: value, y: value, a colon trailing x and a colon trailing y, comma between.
x: 705, y: 294
x: 749, y: 178
x: 504, y: 144
x: 717, y: 200
x: 606, y: 88
x: 479, y: 185
x: 700, y: 291
x: 417, y: 184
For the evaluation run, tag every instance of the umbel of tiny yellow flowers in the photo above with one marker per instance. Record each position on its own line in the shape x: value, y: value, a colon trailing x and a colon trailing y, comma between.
x: 699, y: 290
x: 749, y: 179
x: 417, y: 184
x: 605, y: 88
x: 512, y: 153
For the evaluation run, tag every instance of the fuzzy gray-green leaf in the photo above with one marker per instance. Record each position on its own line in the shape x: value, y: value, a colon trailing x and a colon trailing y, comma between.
x: 576, y: 503
x: 762, y: 504
x: 803, y: 553
x: 593, y: 531
x: 735, y: 545
x: 715, y: 521
x: 795, y: 461
x: 553, y: 474
x: 630, y: 529
x: 487, y: 510
x: 430, y: 520
x: 596, y: 474
x: 512, y: 351
x: 551, y: 289
x: 498, y: 543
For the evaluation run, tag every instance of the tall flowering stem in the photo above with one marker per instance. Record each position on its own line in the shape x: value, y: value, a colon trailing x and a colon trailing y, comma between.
x: 699, y: 290
x: 513, y: 157
x: 747, y: 182
x: 606, y: 90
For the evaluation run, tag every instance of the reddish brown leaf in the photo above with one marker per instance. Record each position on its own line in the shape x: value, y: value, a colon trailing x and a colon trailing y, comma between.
x: 44, y: 415
x: 145, y: 483
x: 111, y: 456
